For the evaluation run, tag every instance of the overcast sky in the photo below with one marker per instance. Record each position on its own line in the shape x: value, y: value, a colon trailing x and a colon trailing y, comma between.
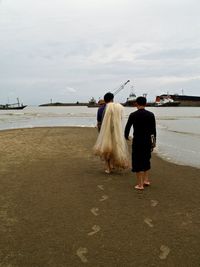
x: 71, y: 50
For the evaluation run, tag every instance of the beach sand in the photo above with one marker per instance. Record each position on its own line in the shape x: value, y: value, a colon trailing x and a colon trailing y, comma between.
x: 59, y: 208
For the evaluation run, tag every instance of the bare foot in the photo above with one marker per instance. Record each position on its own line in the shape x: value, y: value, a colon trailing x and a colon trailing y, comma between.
x: 139, y: 187
x: 147, y: 183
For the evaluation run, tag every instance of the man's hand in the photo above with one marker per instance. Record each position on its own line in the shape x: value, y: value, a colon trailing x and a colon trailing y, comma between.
x: 153, y: 142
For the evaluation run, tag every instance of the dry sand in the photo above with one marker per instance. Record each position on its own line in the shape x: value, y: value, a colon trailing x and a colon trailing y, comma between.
x: 58, y: 207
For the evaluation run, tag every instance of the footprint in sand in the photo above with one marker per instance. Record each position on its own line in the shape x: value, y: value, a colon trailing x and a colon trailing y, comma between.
x: 188, y: 219
x: 186, y: 223
x: 103, y: 198
x: 148, y: 221
x: 164, y: 252
x: 109, y: 179
x: 80, y: 253
x: 96, y: 229
x: 95, y: 211
x: 154, y: 203
x: 100, y: 187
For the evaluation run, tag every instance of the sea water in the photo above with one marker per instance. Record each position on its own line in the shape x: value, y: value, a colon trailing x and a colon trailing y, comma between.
x: 178, y: 128
x: 179, y: 134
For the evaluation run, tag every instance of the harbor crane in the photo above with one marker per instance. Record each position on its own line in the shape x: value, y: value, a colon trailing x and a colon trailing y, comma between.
x: 116, y: 91
x: 120, y: 88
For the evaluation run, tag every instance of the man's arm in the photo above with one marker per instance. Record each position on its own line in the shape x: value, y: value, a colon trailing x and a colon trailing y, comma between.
x: 128, y: 127
x: 153, y: 133
x: 154, y: 126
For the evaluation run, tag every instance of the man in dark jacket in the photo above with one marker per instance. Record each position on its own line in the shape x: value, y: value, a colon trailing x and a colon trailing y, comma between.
x: 144, y: 136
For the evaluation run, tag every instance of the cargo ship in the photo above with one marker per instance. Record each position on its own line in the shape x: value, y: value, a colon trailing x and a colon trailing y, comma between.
x: 166, y: 101
x: 184, y: 100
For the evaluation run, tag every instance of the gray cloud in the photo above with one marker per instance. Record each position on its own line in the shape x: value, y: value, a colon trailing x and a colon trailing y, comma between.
x: 172, y: 54
x: 47, y: 47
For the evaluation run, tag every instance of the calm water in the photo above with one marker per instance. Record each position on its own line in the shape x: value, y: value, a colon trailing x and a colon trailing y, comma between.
x: 178, y: 127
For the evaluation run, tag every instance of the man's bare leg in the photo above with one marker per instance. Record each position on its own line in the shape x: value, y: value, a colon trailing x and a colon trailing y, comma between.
x: 107, y: 166
x: 140, y: 180
x: 146, y: 178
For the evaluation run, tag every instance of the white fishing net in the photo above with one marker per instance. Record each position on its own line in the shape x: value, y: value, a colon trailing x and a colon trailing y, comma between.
x: 111, y: 144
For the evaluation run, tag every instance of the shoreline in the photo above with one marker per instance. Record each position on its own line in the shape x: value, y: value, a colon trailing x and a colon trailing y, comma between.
x: 156, y: 152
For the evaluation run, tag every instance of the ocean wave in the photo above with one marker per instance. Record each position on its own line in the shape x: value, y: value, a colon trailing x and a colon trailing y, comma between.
x: 169, y: 118
x: 185, y: 133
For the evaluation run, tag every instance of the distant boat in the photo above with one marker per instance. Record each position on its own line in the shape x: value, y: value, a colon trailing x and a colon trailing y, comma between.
x: 12, y: 106
x: 94, y: 104
x: 131, y: 100
x: 58, y: 104
x: 166, y: 101
x: 186, y: 100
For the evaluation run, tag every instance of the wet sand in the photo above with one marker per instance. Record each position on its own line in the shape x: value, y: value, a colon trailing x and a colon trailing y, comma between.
x: 58, y: 207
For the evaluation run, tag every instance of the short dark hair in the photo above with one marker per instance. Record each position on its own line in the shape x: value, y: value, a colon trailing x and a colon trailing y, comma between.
x: 141, y: 100
x: 108, y: 97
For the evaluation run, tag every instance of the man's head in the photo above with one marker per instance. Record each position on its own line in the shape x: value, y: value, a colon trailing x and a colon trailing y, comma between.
x: 108, y: 97
x: 141, y: 101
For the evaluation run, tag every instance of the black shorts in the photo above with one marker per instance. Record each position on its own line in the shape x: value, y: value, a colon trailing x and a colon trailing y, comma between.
x: 141, y: 155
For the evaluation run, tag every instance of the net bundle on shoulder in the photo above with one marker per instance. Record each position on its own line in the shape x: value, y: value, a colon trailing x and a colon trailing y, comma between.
x: 111, y: 144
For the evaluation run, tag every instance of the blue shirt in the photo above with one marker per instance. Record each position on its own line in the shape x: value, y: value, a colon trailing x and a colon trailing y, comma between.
x: 100, y: 113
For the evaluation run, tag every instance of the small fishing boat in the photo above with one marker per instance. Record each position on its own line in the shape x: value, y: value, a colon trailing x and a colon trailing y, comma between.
x: 17, y: 105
